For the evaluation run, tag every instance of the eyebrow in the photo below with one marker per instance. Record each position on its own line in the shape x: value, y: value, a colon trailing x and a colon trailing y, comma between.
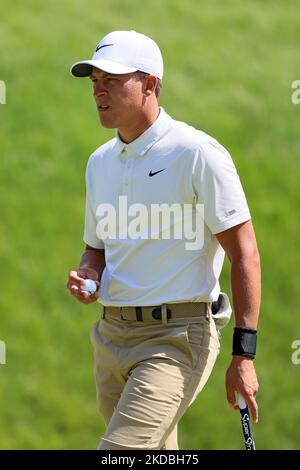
x: 104, y: 76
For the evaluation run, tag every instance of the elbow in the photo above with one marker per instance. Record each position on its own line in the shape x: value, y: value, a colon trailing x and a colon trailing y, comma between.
x: 248, y: 254
x: 256, y: 257
x: 252, y: 253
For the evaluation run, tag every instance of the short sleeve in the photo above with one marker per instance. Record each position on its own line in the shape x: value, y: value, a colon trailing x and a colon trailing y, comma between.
x: 217, y: 186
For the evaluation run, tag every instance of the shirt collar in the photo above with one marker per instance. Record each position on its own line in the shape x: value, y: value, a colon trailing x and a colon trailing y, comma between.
x: 146, y: 140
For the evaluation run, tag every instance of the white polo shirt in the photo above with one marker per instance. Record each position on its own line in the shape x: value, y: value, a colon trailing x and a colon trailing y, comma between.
x: 171, y: 162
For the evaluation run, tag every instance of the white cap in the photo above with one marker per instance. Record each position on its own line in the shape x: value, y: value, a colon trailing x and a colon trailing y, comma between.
x: 121, y: 52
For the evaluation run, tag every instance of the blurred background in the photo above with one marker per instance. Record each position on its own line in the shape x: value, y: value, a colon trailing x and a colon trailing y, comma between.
x: 229, y: 67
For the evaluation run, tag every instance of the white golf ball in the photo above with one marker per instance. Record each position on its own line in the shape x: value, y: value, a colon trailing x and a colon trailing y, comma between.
x: 90, y: 286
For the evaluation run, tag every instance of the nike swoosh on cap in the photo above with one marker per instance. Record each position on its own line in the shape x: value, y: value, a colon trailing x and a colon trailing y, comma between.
x: 101, y: 47
x: 155, y: 172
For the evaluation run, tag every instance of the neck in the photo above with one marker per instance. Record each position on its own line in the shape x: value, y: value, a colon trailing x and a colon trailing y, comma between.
x: 137, y: 128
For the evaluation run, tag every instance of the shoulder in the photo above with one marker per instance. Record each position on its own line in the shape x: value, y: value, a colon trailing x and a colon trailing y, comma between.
x: 213, y: 153
x: 188, y: 136
x: 104, y: 150
x: 101, y: 154
x: 200, y: 146
x: 196, y: 144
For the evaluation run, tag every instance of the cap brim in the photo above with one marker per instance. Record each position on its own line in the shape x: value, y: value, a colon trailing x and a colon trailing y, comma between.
x: 84, y: 68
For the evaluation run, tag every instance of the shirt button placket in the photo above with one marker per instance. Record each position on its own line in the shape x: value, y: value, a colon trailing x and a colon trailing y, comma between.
x: 127, y: 176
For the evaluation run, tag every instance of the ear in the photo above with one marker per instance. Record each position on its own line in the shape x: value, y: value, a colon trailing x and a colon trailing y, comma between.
x: 150, y: 85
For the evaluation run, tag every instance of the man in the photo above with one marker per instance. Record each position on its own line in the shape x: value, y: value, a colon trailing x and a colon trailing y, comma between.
x: 157, y: 340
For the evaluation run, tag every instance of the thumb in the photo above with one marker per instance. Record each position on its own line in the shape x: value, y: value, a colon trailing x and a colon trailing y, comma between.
x: 93, y: 275
x: 89, y: 273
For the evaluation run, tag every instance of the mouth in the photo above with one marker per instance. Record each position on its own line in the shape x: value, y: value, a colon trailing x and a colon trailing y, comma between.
x: 102, y: 108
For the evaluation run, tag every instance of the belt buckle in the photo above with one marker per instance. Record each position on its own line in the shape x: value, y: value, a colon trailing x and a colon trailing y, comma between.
x: 156, y: 313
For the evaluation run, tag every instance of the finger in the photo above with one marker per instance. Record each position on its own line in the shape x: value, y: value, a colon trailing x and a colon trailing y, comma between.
x: 88, y: 273
x: 82, y: 296
x: 93, y: 275
x: 81, y: 293
x: 253, y: 407
x: 231, y: 396
x: 97, y: 293
x: 85, y: 298
x: 74, y: 277
x: 74, y: 289
x: 75, y: 285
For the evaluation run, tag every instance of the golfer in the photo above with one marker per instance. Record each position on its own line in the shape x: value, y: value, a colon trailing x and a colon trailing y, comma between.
x: 157, y: 340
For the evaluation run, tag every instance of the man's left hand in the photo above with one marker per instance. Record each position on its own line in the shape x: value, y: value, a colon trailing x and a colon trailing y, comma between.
x: 241, y: 378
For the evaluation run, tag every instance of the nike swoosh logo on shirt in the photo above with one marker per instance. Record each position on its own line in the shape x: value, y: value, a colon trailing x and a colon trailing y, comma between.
x: 101, y: 47
x: 155, y: 172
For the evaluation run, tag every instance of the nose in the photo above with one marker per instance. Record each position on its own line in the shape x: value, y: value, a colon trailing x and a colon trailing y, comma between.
x: 99, y: 89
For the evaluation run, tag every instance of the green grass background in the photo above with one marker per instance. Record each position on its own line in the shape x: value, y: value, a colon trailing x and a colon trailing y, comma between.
x: 229, y: 66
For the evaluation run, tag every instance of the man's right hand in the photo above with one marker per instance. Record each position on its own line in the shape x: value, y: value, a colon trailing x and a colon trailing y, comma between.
x: 76, y: 279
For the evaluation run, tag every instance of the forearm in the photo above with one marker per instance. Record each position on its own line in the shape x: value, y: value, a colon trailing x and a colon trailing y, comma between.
x: 246, y: 289
x: 240, y: 245
x: 93, y: 258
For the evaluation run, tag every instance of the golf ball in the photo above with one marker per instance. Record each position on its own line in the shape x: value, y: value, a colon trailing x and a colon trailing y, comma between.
x: 90, y: 286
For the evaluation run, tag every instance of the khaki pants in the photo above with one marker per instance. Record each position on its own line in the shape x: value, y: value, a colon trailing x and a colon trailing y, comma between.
x: 148, y: 374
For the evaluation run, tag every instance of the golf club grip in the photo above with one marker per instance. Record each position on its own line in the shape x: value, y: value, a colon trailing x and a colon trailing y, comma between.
x: 246, y: 424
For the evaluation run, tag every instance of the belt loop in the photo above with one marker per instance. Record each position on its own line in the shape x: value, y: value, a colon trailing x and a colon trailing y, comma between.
x: 138, y: 313
x: 208, y: 311
x: 164, y: 318
x: 121, y: 313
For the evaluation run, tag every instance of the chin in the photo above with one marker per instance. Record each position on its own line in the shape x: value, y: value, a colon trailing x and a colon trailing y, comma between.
x: 107, y: 124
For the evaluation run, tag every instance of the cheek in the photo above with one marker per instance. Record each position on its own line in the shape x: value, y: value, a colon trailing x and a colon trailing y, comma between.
x: 133, y: 94
x: 135, y: 100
